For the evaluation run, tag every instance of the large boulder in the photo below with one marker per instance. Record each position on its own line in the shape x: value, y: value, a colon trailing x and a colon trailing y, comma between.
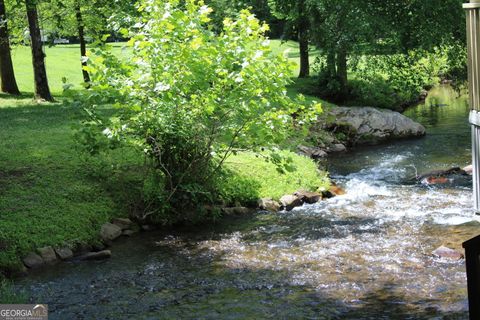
x: 368, y: 125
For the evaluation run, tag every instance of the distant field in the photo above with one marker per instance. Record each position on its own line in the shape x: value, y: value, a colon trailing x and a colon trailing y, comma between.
x: 64, y: 61
x: 61, y: 61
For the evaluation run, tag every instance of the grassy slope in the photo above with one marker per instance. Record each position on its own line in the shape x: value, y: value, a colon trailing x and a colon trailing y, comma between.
x: 271, y: 184
x: 47, y: 196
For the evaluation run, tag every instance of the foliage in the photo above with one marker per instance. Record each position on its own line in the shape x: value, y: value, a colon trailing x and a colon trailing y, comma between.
x: 190, y: 97
x: 348, y: 29
x: 392, y: 81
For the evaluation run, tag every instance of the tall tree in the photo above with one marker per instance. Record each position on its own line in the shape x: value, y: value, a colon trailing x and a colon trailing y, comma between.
x: 42, y: 90
x: 7, y: 75
x: 296, y: 14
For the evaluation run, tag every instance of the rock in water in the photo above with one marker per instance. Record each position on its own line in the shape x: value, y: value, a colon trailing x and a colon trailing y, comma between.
x: 447, y: 253
x: 290, y: 201
x: 269, y: 205
x: 308, y: 197
x: 371, y: 126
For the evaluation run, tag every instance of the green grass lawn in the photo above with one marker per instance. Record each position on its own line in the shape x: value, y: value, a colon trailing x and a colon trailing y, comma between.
x: 46, y: 194
x: 51, y: 196
x: 62, y: 61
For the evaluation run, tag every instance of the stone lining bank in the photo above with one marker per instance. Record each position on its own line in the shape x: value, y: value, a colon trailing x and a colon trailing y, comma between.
x: 119, y: 227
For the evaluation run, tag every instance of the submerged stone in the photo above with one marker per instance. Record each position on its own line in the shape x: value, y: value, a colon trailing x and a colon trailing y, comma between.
x: 447, y: 253
x: 100, y: 255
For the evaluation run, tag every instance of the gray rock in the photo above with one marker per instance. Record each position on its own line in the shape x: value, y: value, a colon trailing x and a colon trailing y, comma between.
x: 48, y: 254
x: 100, y: 255
x: 338, y: 147
x: 371, y: 126
x: 308, y: 197
x: 447, y: 253
x: 64, y: 253
x: 312, y: 152
x: 468, y: 169
x: 123, y: 223
x: 290, y: 201
x: 269, y: 205
x: 110, y: 231
x: 236, y: 211
x: 33, y: 260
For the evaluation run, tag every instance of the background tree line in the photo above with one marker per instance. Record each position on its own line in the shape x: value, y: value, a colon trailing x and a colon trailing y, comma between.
x: 342, y: 30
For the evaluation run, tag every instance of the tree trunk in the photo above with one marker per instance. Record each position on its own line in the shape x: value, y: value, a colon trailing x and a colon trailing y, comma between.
x: 7, y: 75
x: 331, y: 65
x: 42, y: 91
x: 342, y: 72
x: 303, y: 26
x: 83, y: 45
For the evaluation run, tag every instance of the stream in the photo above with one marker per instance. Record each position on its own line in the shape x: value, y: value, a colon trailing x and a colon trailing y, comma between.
x: 364, y: 255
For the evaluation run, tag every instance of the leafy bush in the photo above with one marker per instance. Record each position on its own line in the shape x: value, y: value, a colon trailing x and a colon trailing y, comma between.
x: 189, y: 97
x: 392, y: 81
x: 395, y: 80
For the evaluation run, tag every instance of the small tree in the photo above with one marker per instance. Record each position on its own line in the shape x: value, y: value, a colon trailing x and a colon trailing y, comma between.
x: 190, y: 97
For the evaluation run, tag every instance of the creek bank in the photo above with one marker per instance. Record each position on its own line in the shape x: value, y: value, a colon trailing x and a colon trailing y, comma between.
x: 345, y: 127
x: 119, y: 227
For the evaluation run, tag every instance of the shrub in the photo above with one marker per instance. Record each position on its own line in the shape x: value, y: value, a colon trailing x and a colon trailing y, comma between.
x: 189, y: 97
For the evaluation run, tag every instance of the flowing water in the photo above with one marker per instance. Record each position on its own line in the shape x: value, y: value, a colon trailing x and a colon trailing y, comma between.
x: 365, y: 255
